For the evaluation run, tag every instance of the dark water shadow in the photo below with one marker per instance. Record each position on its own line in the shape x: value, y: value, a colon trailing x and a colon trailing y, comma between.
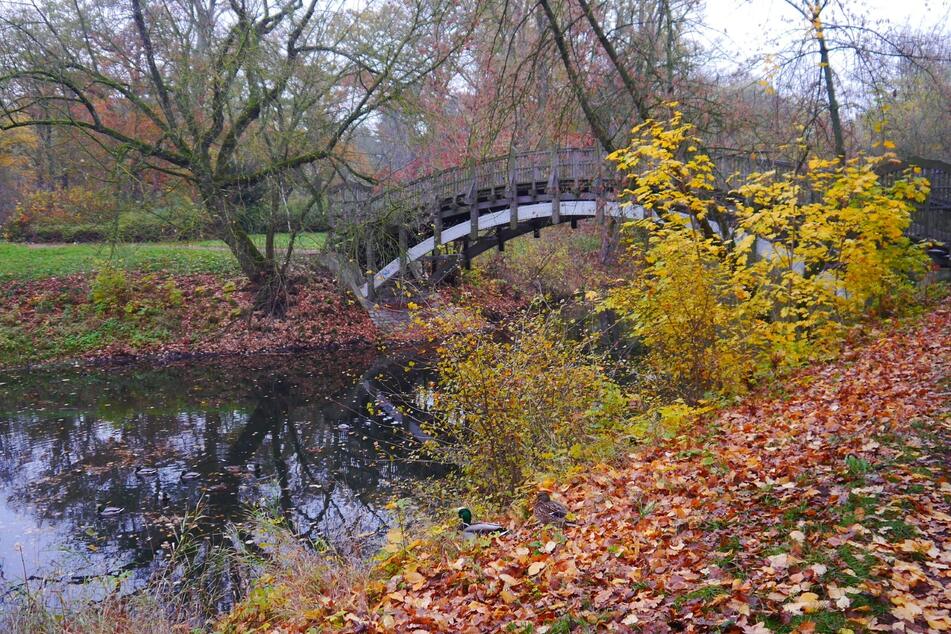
x: 291, y: 434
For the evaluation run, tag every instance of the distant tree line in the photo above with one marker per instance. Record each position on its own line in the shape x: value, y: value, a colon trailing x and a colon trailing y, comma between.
x: 146, y: 119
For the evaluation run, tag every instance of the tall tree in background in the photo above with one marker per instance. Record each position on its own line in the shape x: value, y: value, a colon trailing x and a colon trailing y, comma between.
x: 208, y: 77
x: 812, y: 12
x: 847, y: 57
x: 910, y: 96
x: 541, y: 74
x: 14, y: 173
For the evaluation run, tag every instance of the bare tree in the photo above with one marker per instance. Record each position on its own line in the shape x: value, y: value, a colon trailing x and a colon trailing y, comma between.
x: 847, y: 56
x: 213, y: 79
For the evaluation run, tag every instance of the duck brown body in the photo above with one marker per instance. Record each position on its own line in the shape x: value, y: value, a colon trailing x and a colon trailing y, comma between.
x: 548, y: 511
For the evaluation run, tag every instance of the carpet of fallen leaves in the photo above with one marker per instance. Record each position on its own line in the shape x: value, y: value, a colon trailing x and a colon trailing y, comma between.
x: 214, y: 317
x: 825, y: 507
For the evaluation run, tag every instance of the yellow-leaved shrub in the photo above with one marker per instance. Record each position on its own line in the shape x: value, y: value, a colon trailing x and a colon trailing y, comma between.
x: 727, y: 289
x: 507, y: 408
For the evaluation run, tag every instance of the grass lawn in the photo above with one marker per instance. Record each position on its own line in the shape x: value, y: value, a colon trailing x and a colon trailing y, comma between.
x: 311, y: 240
x: 23, y: 261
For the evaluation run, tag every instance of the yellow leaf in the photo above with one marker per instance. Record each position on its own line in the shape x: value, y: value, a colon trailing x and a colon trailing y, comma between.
x: 414, y: 577
x: 536, y: 568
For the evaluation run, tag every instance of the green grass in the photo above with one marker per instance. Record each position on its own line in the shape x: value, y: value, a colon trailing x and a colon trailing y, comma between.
x: 22, y: 261
x: 307, y: 241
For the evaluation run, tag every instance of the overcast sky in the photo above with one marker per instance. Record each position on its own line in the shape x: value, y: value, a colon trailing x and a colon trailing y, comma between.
x: 744, y: 28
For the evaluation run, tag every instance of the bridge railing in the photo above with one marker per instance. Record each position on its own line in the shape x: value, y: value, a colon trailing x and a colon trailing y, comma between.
x: 932, y: 220
x: 577, y: 164
x: 422, y: 198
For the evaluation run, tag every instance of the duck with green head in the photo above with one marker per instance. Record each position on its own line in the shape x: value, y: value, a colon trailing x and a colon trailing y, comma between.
x: 480, y: 528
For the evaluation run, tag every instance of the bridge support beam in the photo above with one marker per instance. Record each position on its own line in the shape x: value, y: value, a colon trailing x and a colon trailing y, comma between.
x: 466, y: 258
x: 371, y: 287
x: 472, y: 199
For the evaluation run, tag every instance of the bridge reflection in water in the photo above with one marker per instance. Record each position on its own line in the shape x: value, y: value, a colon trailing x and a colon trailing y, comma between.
x: 293, y: 434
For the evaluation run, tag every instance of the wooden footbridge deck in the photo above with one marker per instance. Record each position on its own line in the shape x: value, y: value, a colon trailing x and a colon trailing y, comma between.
x: 454, y: 215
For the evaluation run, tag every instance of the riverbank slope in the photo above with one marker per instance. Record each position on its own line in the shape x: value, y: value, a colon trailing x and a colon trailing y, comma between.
x: 822, y: 506
x: 117, y: 317
x: 123, y: 316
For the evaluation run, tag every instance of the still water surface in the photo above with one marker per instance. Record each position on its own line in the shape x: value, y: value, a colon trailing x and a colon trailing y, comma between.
x: 292, y: 434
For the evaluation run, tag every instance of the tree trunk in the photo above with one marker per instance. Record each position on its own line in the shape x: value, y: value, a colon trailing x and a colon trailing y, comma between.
x: 271, y: 221
x: 610, y: 236
x: 612, y: 54
x: 269, y: 282
x: 838, y: 137
x: 597, y: 127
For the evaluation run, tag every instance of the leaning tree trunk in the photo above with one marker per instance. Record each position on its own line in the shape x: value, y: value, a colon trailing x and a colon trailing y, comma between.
x: 270, y: 283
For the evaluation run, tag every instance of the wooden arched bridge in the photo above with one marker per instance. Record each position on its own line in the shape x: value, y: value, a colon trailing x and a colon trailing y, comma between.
x: 450, y: 217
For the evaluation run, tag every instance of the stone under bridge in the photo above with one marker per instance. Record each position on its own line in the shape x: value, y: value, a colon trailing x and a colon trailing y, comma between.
x: 450, y: 217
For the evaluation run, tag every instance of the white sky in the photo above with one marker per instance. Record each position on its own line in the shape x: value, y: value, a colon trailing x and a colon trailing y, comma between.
x: 748, y: 28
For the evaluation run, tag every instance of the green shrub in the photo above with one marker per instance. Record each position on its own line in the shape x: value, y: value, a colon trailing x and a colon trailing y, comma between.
x: 115, y: 292
x: 505, y: 410
x: 69, y: 233
x: 111, y: 290
x: 178, y: 220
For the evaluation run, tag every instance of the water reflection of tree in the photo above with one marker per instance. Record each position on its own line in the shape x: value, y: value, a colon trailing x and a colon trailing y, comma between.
x: 67, y: 445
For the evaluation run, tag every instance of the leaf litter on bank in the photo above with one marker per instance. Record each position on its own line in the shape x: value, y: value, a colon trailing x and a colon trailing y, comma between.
x: 759, y: 521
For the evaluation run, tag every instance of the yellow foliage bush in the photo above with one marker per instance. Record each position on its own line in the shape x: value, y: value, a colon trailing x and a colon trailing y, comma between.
x: 505, y: 409
x: 715, y: 312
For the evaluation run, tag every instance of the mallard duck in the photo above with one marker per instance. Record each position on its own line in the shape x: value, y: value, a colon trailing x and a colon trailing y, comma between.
x: 145, y: 472
x: 109, y: 511
x: 548, y: 511
x: 481, y: 528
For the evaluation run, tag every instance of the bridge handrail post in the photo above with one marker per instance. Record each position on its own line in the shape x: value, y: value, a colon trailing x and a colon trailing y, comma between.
x: 576, y: 170
x: 472, y: 199
x: 371, y: 266
x: 437, y: 222
x: 554, y: 191
x: 513, y: 199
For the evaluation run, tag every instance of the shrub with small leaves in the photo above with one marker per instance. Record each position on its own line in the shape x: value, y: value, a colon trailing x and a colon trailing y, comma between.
x: 111, y: 289
x: 508, y: 408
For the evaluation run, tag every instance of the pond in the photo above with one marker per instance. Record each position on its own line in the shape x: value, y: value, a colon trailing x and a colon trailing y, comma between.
x: 315, y: 438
